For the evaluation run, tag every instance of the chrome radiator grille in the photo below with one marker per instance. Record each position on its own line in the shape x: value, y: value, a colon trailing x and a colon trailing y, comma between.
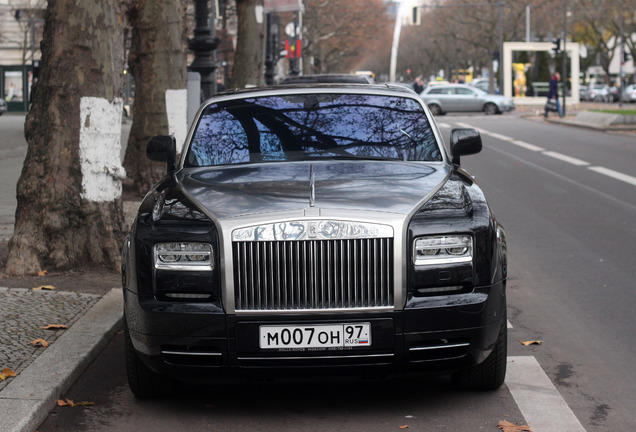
x: 313, y: 274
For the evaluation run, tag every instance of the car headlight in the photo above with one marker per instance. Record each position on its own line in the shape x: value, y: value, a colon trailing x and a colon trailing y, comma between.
x: 184, y: 256
x: 443, y: 249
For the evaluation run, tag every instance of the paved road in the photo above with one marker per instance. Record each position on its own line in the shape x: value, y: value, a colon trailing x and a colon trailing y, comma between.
x: 12, y: 153
x: 567, y: 198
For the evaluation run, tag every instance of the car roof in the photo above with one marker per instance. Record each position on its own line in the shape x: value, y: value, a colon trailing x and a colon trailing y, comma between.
x: 316, y: 88
x: 443, y: 86
x: 326, y: 78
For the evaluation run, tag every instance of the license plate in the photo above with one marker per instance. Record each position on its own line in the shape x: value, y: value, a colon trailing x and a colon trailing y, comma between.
x: 315, y: 336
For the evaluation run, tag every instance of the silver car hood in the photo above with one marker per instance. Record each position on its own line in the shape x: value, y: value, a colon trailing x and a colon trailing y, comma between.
x: 363, y: 193
x: 328, y: 186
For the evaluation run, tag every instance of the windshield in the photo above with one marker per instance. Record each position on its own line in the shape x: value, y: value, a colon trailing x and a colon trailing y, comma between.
x: 309, y: 126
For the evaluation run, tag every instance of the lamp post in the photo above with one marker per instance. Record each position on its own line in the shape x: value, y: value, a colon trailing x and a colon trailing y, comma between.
x: 203, y: 43
x: 564, y: 77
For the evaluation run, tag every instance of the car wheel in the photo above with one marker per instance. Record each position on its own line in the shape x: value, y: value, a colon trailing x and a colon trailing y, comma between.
x: 143, y: 382
x: 435, y: 109
x: 491, y: 373
x: 490, y: 108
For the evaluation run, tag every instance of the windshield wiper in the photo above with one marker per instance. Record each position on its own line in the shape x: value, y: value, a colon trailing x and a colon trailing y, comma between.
x: 348, y: 157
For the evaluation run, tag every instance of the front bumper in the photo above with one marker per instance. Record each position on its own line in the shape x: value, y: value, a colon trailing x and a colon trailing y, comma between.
x: 441, y: 334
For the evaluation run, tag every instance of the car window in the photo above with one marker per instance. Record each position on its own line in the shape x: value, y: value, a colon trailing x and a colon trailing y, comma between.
x: 464, y: 91
x: 308, y: 126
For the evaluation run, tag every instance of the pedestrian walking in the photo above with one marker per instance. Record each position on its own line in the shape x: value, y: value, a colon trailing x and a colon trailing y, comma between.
x: 418, y: 85
x: 552, y: 103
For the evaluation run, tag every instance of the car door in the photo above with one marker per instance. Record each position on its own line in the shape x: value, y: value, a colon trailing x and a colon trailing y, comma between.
x: 467, y: 99
x: 442, y: 96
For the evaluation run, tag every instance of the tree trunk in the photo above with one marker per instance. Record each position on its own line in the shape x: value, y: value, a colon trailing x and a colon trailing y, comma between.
x: 69, y: 211
x: 157, y: 62
x: 250, y: 45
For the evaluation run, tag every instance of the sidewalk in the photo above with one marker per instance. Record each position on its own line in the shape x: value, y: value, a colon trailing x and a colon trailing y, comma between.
x: 572, y: 119
x: 45, y: 374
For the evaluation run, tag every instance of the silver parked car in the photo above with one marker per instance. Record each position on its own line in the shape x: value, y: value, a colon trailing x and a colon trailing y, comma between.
x: 597, y: 92
x: 461, y: 97
x: 629, y: 93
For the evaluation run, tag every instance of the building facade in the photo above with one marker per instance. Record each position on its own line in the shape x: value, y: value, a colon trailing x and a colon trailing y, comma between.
x: 21, y: 24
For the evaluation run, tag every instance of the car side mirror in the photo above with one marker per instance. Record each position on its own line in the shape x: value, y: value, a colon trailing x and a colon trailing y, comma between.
x: 465, y: 141
x: 163, y: 148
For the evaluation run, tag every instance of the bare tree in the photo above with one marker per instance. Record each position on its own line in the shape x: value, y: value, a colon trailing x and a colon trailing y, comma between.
x: 29, y: 20
x: 340, y: 34
x: 157, y: 61
x: 69, y: 209
x: 250, y: 43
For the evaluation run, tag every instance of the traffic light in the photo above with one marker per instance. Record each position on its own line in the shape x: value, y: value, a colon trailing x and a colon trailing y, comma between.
x: 36, y: 69
x: 626, y: 57
x: 557, y: 46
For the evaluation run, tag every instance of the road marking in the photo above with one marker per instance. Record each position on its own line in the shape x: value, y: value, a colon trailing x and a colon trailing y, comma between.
x: 565, y: 158
x: 508, y: 324
x: 527, y: 146
x: 500, y: 136
x: 614, y: 174
x: 444, y: 125
x: 603, y: 195
x: 539, y: 401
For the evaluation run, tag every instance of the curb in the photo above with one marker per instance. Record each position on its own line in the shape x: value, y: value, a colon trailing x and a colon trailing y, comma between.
x: 27, y: 400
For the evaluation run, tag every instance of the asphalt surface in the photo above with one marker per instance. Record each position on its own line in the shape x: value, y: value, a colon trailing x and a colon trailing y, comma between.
x: 43, y: 374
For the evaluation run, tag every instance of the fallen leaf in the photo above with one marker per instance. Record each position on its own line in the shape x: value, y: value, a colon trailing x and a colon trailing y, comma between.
x: 54, y: 327
x: 43, y: 273
x: 40, y: 342
x: 404, y: 427
x: 6, y: 373
x: 70, y: 403
x: 534, y: 342
x: 506, y: 426
x: 44, y: 288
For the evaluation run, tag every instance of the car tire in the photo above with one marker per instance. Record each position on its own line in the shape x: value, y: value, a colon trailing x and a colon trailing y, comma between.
x: 491, y: 373
x: 435, y: 109
x: 491, y: 109
x: 143, y: 382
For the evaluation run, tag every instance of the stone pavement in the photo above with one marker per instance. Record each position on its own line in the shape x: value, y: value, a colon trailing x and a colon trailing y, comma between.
x: 24, y: 312
x: 43, y: 375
